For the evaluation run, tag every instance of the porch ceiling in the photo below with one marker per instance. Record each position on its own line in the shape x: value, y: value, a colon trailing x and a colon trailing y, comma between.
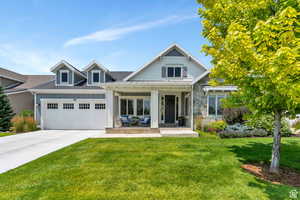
x: 133, y: 86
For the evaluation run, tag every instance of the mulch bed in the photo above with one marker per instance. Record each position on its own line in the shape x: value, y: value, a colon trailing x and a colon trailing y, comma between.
x: 286, y: 175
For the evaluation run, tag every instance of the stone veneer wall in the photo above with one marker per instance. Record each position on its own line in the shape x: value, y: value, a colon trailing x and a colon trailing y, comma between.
x: 200, y: 103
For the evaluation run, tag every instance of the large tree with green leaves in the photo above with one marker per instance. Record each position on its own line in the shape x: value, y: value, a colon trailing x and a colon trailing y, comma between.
x: 6, y: 112
x: 255, y: 45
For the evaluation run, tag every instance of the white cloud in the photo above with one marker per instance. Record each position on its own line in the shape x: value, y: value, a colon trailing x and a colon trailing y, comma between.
x: 117, y: 33
x: 27, y: 61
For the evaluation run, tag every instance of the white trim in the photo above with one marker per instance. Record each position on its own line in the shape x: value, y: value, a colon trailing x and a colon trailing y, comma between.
x: 220, y: 88
x: 96, y: 71
x: 201, y: 76
x: 60, y: 78
x: 161, y: 54
x: 94, y: 62
x: 17, y: 92
x: 68, y: 91
x: 68, y: 65
x: 34, y: 107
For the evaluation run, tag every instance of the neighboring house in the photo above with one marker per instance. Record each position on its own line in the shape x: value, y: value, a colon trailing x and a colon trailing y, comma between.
x: 16, y: 87
x: 171, y: 86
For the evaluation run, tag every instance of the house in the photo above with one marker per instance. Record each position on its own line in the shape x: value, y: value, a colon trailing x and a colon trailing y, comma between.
x: 16, y: 87
x: 172, y: 86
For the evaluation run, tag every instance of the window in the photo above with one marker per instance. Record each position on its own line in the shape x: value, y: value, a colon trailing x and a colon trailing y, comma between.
x: 177, y: 71
x: 215, y: 105
x: 139, y: 106
x: 64, y: 76
x: 99, y: 106
x: 96, y: 76
x: 127, y: 107
x: 170, y: 71
x: 142, y: 107
x: 84, y: 106
x: 219, y: 105
x: 52, y: 106
x: 174, y: 72
x: 123, y: 107
x: 186, y: 106
x: 130, y: 106
x: 146, y: 107
x: 68, y: 106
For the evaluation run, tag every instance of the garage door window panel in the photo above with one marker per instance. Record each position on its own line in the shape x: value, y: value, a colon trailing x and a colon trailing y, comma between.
x: 68, y: 106
x: 52, y: 106
x: 99, y: 106
x: 84, y: 106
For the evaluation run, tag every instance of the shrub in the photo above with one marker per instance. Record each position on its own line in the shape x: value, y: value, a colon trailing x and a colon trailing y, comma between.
x: 215, y: 126
x: 198, y: 122
x: 23, y: 124
x: 266, y: 122
x: 239, y: 130
x: 6, y: 112
x: 234, y: 115
x: 26, y: 113
x: 296, y: 124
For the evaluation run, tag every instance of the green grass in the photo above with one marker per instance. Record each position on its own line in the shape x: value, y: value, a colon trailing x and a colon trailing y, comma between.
x: 151, y: 168
x: 6, y: 134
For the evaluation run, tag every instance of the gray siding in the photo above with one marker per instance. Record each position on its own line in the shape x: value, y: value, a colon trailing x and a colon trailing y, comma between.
x: 89, y: 74
x: 63, y: 96
x: 58, y: 75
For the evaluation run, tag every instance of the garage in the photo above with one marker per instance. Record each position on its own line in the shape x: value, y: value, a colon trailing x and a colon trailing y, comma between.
x: 73, y: 114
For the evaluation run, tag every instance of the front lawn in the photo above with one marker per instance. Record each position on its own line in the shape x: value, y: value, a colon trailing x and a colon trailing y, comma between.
x: 6, y: 134
x: 151, y: 168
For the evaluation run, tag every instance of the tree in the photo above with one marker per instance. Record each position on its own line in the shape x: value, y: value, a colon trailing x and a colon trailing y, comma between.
x: 255, y: 45
x: 6, y: 112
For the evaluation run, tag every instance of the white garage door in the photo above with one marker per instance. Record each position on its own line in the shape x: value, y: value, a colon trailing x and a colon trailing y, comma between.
x: 72, y: 114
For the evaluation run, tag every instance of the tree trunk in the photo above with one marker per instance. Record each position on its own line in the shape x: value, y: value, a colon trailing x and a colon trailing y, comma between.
x: 274, y: 168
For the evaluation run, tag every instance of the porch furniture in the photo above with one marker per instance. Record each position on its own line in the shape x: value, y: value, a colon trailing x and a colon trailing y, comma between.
x: 145, y: 121
x: 125, y: 120
x: 181, y: 121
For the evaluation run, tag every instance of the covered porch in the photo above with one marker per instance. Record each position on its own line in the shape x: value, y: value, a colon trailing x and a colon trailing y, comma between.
x: 147, y: 107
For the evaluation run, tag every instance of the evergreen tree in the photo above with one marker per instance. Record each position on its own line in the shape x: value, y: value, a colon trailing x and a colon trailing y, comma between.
x: 6, y: 112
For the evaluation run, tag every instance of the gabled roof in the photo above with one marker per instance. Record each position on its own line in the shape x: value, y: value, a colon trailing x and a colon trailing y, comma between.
x: 164, y: 52
x: 5, y: 73
x: 201, y: 76
x: 68, y: 65
x: 31, y: 81
x: 94, y: 62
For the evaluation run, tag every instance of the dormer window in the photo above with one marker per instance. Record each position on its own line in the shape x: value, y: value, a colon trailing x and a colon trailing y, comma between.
x: 64, y: 77
x: 96, y: 76
x: 174, y: 72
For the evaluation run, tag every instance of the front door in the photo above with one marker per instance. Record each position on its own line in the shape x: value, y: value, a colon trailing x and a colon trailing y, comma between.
x: 170, y: 109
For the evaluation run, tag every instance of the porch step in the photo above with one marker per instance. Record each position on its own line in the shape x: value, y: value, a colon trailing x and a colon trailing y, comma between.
x: 130, y: 130
x: 178, y: 133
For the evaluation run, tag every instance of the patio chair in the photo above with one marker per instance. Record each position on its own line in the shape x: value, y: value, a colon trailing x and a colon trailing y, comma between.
x: 146, y: 121
x: 125, y: 120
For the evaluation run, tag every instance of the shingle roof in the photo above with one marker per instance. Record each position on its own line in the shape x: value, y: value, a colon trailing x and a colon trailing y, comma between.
x: 51, y: 85
x: 119, y: 75
x: 31, y: 81
x: 12, y: 75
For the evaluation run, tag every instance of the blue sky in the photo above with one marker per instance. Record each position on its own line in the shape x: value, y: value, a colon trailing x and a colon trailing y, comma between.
x: 120, y: 34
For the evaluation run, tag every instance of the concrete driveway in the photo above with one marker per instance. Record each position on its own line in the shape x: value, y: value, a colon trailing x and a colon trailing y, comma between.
x: 19, y: 149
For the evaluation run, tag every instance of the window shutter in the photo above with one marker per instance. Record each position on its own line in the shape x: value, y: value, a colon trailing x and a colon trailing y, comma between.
x: 184, y: 72
x: 163, y: 72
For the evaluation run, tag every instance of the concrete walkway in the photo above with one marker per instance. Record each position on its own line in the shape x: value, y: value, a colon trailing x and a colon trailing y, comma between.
x: 19, y: 149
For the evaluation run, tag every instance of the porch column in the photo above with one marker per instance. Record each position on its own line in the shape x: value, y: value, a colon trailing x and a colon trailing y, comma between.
x: 109, y: 101
x: 154, y: 109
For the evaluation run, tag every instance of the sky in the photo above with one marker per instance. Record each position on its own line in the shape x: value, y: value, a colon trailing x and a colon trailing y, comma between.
x: 121, y: 34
